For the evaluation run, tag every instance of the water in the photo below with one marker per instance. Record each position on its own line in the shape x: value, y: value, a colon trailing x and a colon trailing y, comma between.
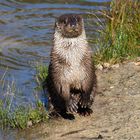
x: 26, y: 33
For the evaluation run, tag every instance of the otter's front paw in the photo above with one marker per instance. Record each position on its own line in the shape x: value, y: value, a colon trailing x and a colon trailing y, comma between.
x: 84, y: 101
x: 85, y: 111
x: 72, y: 106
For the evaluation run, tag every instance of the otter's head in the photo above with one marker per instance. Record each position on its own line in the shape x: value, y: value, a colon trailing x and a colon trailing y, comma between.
x: 69, y: 25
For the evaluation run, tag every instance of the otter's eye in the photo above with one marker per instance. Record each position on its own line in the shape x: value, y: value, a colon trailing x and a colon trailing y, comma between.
x: 78, y: 19
x: 65, y: 21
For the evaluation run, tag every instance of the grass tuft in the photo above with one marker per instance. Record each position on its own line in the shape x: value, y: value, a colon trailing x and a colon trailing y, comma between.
x: 41, y: 76
x: 120, y: 38
x: 21, y: 115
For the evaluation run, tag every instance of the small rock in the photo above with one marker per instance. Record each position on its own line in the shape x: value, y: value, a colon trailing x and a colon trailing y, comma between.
x: 137, y: 63
x: 112, y: 87
x: 138, y: 58
x: 115, y: 66
x: 29, y: 123
x: 99, y: 66
x: 100, y: 136
x: 106, y: 65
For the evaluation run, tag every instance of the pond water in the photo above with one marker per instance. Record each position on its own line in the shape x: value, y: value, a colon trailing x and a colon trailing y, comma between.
x: 26, y: 33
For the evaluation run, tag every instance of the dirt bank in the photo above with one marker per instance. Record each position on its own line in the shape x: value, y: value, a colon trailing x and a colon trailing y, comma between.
x: 116, y: 110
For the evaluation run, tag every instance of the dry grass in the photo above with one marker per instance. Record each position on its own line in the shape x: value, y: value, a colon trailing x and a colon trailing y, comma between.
x: 120, y: 38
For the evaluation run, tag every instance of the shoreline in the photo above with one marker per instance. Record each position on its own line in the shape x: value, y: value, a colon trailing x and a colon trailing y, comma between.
x: 115, y: 110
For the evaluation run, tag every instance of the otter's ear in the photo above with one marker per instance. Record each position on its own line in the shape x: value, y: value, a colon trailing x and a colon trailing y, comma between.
x: 80, y: 17
x: 56, y: 23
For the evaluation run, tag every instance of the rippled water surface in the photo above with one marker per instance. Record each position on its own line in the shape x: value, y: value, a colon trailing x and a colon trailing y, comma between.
x: 26, y: 33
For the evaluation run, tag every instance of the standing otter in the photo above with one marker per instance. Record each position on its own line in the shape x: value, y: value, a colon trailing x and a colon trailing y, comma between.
x: 71, y: 75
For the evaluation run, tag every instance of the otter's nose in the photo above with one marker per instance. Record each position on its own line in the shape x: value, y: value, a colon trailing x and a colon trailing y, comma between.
x: 73, y: 23
x: 73, y: 26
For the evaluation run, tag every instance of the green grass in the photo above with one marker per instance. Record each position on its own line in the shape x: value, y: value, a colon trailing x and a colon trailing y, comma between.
x: 42, y: 73
x: 23, y: 114
x: 120, y: 38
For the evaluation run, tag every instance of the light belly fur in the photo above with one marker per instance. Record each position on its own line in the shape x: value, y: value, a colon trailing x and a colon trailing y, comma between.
x: 74, y: 75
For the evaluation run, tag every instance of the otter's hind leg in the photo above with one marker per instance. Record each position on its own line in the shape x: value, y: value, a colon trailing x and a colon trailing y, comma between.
x: 74, y: 99
x: 86, y: 99
x: 84, y: 108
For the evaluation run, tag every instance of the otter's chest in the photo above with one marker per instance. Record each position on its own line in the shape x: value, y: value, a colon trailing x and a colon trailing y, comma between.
x: 72, y: 51
x: 74, y: 71
x: 73, y: 56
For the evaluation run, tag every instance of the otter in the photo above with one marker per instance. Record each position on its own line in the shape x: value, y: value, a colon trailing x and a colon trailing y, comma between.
x: 71, y: 74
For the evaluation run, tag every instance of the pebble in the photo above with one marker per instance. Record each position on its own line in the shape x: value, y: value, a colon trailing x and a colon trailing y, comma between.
x: 106, y: 65
x: 137, y: 63
x: 100, y: 136
x: 112, y: 87
x: 115, y: 66
x: 99, y: 67
x: 29, y: 123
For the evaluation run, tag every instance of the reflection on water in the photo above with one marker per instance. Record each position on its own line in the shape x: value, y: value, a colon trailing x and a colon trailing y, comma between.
x: 26, y: 33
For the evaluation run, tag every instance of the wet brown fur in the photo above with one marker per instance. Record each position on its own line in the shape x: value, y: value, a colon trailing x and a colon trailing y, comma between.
x: 67, y: 96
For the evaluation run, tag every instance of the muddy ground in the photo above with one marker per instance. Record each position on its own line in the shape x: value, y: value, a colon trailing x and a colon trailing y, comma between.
x: 116, y: 110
